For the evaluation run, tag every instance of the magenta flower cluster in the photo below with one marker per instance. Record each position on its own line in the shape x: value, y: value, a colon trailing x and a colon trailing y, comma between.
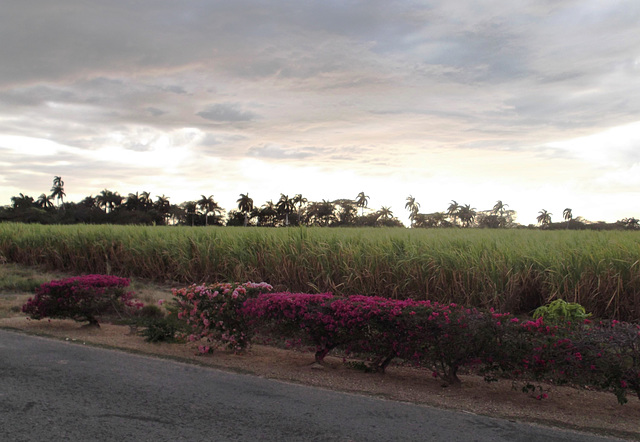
x: 442, y: 337
x: 602, y: 354
x: 213, y: 313
x: 81, y: 298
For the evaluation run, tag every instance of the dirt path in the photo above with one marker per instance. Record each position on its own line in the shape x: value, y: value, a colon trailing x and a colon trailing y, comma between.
x: 566, y: 407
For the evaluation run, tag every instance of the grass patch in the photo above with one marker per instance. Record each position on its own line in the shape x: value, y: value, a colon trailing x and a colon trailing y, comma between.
x: 20, y: 279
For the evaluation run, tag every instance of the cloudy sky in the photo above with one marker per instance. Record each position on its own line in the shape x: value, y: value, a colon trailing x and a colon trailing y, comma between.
x: 535, y: 103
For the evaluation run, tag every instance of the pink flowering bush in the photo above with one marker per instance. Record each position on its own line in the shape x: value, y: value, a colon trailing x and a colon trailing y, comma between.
x: 447, y: 338
x: 213, y: 313
x: 301, y: 318
x: 81, y: 298
x: 441, y: 337
x: 604, y: 355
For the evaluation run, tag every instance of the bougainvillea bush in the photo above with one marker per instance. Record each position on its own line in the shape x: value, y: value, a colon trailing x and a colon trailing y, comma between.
x: 603, y: 355
x: 81, y: 298
x: 300, y: 318
x: 441, y: 337
x: 213, y: 313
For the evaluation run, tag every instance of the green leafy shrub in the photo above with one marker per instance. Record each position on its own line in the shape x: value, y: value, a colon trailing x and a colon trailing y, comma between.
x: 560, y: 311
x: 162, y: 329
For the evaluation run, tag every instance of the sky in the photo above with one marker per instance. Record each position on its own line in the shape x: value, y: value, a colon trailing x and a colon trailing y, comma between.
x: 534, y: 103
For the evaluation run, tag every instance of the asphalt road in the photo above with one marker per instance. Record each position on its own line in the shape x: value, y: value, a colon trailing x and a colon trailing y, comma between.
x: 57, y: 391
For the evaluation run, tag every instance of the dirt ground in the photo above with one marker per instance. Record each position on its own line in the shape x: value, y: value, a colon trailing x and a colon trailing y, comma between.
x: 565, y: 407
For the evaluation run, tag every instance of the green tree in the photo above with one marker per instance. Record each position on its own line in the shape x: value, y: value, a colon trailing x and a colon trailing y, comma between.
x: 44, y: 201
x: 57, y: 191
x: 190, y: 209
x: 22, y: 201
x: 385, y: 212
x: 321, y: 213
x: 267, y: 214
x: 413, y: 208
x: 300, y: 201
x: 466, y: 214
x: 163, y: 206
x: 362, y: 201
x: 544, y: 218
x: 567, y: 214
x: 89, y: 202
x: 452, y: 211
x: 284, y: 207
x: 498, y: 208
x: 208, y: 205
x: 346, y: 212
x: 146, y: 203
x: 109, y: 200
x: 245, y: 205
x: 132, y: 202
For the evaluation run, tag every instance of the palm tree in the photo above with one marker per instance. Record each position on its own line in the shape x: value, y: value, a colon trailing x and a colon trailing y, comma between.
x: 452, y: 211
x: 245, y: 205
x: 300, y: 201
x: 57, y: 191
x: 466, y: 214
x: 190, y: 211
x: 498, y: 208
x: 631, y: 223
x: 362, y: 201
x: 146, y: 202
x: 22, y: 201
x: 285, y: 206
x: 89, y: 202
x: 132, y: 201
x: 413, y: 207
x: 567, y: 214
x: 207, y: 205
x: 44, y: 201
x: 267, y: 213
x: 385, y: 212
x: 109, y: 200
x: 346, y: 212
x: 163, y: 206
x: 544, y: 218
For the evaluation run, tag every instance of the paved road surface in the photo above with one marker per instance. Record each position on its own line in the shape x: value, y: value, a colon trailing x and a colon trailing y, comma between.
x: 57, y: 391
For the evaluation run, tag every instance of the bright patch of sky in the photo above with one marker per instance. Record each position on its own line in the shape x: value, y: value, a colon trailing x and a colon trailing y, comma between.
x: 533, y: 103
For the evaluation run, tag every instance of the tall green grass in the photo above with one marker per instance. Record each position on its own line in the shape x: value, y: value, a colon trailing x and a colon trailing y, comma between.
x: 514, y: 270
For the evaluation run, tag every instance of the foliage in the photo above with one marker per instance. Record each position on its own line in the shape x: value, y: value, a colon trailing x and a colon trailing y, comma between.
x: 560, y: 311
x: 446, y: 338
x: 213, y: 313
x: 605, y: 355
x: 81, y: 298
x: 513, y: 270
x: 162, y: 329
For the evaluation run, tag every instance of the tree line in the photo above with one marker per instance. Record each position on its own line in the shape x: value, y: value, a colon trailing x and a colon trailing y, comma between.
x: 109, y: 207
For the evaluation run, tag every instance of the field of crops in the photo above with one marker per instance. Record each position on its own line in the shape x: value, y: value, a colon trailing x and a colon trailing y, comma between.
x: 510, y: 270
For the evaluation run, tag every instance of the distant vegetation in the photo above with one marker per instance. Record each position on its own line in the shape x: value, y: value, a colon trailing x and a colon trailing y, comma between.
x: 511, y: 270
x: 109, y: 207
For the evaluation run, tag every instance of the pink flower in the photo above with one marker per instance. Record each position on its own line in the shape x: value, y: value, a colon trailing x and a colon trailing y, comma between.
x: 160, y: 301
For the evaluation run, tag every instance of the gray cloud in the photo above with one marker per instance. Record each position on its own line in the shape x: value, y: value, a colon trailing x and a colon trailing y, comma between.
x: 155, y: 112
x: 226, y: 112
x: 276, y: 152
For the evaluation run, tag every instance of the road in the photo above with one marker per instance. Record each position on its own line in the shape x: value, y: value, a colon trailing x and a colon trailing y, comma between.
x: 55, y: 391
